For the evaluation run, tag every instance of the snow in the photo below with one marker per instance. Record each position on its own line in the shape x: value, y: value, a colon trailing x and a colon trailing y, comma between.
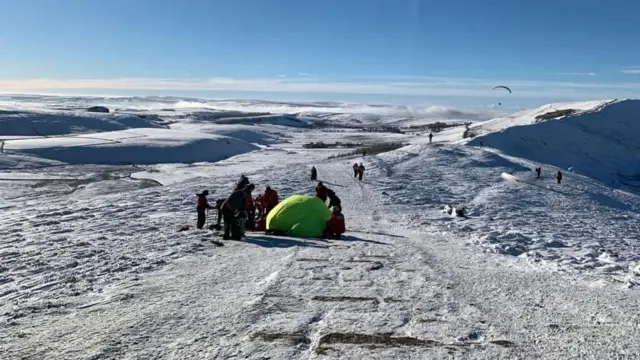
x: 147, y: 146
x: 600, y: 144
x: 92, y: 264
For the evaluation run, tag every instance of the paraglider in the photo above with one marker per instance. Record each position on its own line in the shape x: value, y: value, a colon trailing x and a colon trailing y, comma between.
x: 502, y: 87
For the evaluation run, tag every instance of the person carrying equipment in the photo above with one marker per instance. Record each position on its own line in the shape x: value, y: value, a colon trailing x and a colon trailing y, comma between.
x: 201, y: 207
x: 314, y: 173
x: 232, y: 208
x: 335, y: 226
x: 360, y: 171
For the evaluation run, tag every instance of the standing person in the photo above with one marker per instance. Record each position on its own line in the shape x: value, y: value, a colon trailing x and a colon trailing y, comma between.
x: 270, y: 199
x: 355, y: 170
x: 314, y: 173
x: 231, y: 209
x: 360, y: 171
x: 538, y: 171
x: 244, y: 181
x: 559, y: 177
x: 202, y: 205
x: 430, y: 136
x: 321, y: 191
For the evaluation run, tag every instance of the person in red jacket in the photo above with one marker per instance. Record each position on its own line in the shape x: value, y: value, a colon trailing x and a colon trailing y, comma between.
x: 270, y: 199
x: 202, y: 205
x: 335, y: 226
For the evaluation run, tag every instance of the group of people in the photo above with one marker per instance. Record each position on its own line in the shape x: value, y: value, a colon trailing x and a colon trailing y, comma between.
x: 558, y: 175
x: 358, y: 170
x: 240, y: 211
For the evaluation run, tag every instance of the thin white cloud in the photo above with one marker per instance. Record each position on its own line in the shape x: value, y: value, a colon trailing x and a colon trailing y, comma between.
x: 631, y: 70
x: 304, y: 74
x: 412, y: 86
x: 577, y: 73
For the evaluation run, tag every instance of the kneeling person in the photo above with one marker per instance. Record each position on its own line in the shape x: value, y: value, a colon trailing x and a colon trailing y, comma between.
x: 335, y: 226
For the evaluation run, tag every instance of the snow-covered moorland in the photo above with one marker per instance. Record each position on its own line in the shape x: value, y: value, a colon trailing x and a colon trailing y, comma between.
x: 92, y: 264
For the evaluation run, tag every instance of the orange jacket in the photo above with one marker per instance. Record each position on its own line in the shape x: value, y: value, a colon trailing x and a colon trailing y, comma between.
x: 270, y: 199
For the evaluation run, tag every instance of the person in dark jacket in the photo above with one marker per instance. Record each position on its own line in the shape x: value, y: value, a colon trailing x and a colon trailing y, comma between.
x: 430, y: 137
x: 538, y: 171
x: 360, y: 171
x: 201, y: 208
x: 314, y: 173
x: 559, y: 177
x: 355, y: 170
x: 244, y: 181
x: 324, y: 192
x: 231, y: 209
x: 334, y: 200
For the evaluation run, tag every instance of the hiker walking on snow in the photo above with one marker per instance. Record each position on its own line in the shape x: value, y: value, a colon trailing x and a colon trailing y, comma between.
x: 202, y: 206
x: 538, y: 171
x: 355, y: 170
x: 314, y: 173
x: 559, y: 177
x: 360, y: 171
x: 231, y: 209
x: 430, y: 137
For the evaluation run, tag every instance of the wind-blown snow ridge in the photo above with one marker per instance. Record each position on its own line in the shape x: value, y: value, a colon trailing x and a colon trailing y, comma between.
x: 599, y: 140
x: 140, y: 146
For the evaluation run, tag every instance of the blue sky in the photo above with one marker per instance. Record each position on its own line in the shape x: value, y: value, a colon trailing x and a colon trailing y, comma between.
x: 402, y: 51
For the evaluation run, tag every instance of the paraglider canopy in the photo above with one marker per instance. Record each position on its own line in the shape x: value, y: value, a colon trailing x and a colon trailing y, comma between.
x: 300, y: 216
x: 502, y: 87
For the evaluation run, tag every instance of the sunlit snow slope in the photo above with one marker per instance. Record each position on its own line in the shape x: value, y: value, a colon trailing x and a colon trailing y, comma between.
x: 600, y: 139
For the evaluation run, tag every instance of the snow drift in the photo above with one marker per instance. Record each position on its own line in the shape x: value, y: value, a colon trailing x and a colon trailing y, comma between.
x: 599, y: 139
x: 52, y: 123
x: 143, y: 146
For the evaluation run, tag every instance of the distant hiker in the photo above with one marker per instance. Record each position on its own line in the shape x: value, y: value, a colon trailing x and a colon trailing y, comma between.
x: 480, y: 143
x: 364, y: 153
x: 232, y: 208
x: 314, y: 173
x: 335, y: 226
x: 244, y: 181
x: 360, y: 171
x: 538, y: 171
x: 355, y: 170
x: 559, y: 177
x: 430, y: 136
x: 269, y: 199
x: 201, y: 207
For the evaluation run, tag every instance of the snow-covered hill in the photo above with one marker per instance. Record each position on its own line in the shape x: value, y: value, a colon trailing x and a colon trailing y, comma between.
x: 596, y: 139
x: 92, y: 264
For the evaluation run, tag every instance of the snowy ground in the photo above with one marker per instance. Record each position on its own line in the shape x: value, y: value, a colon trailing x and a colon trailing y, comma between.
x: 92, y: 265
